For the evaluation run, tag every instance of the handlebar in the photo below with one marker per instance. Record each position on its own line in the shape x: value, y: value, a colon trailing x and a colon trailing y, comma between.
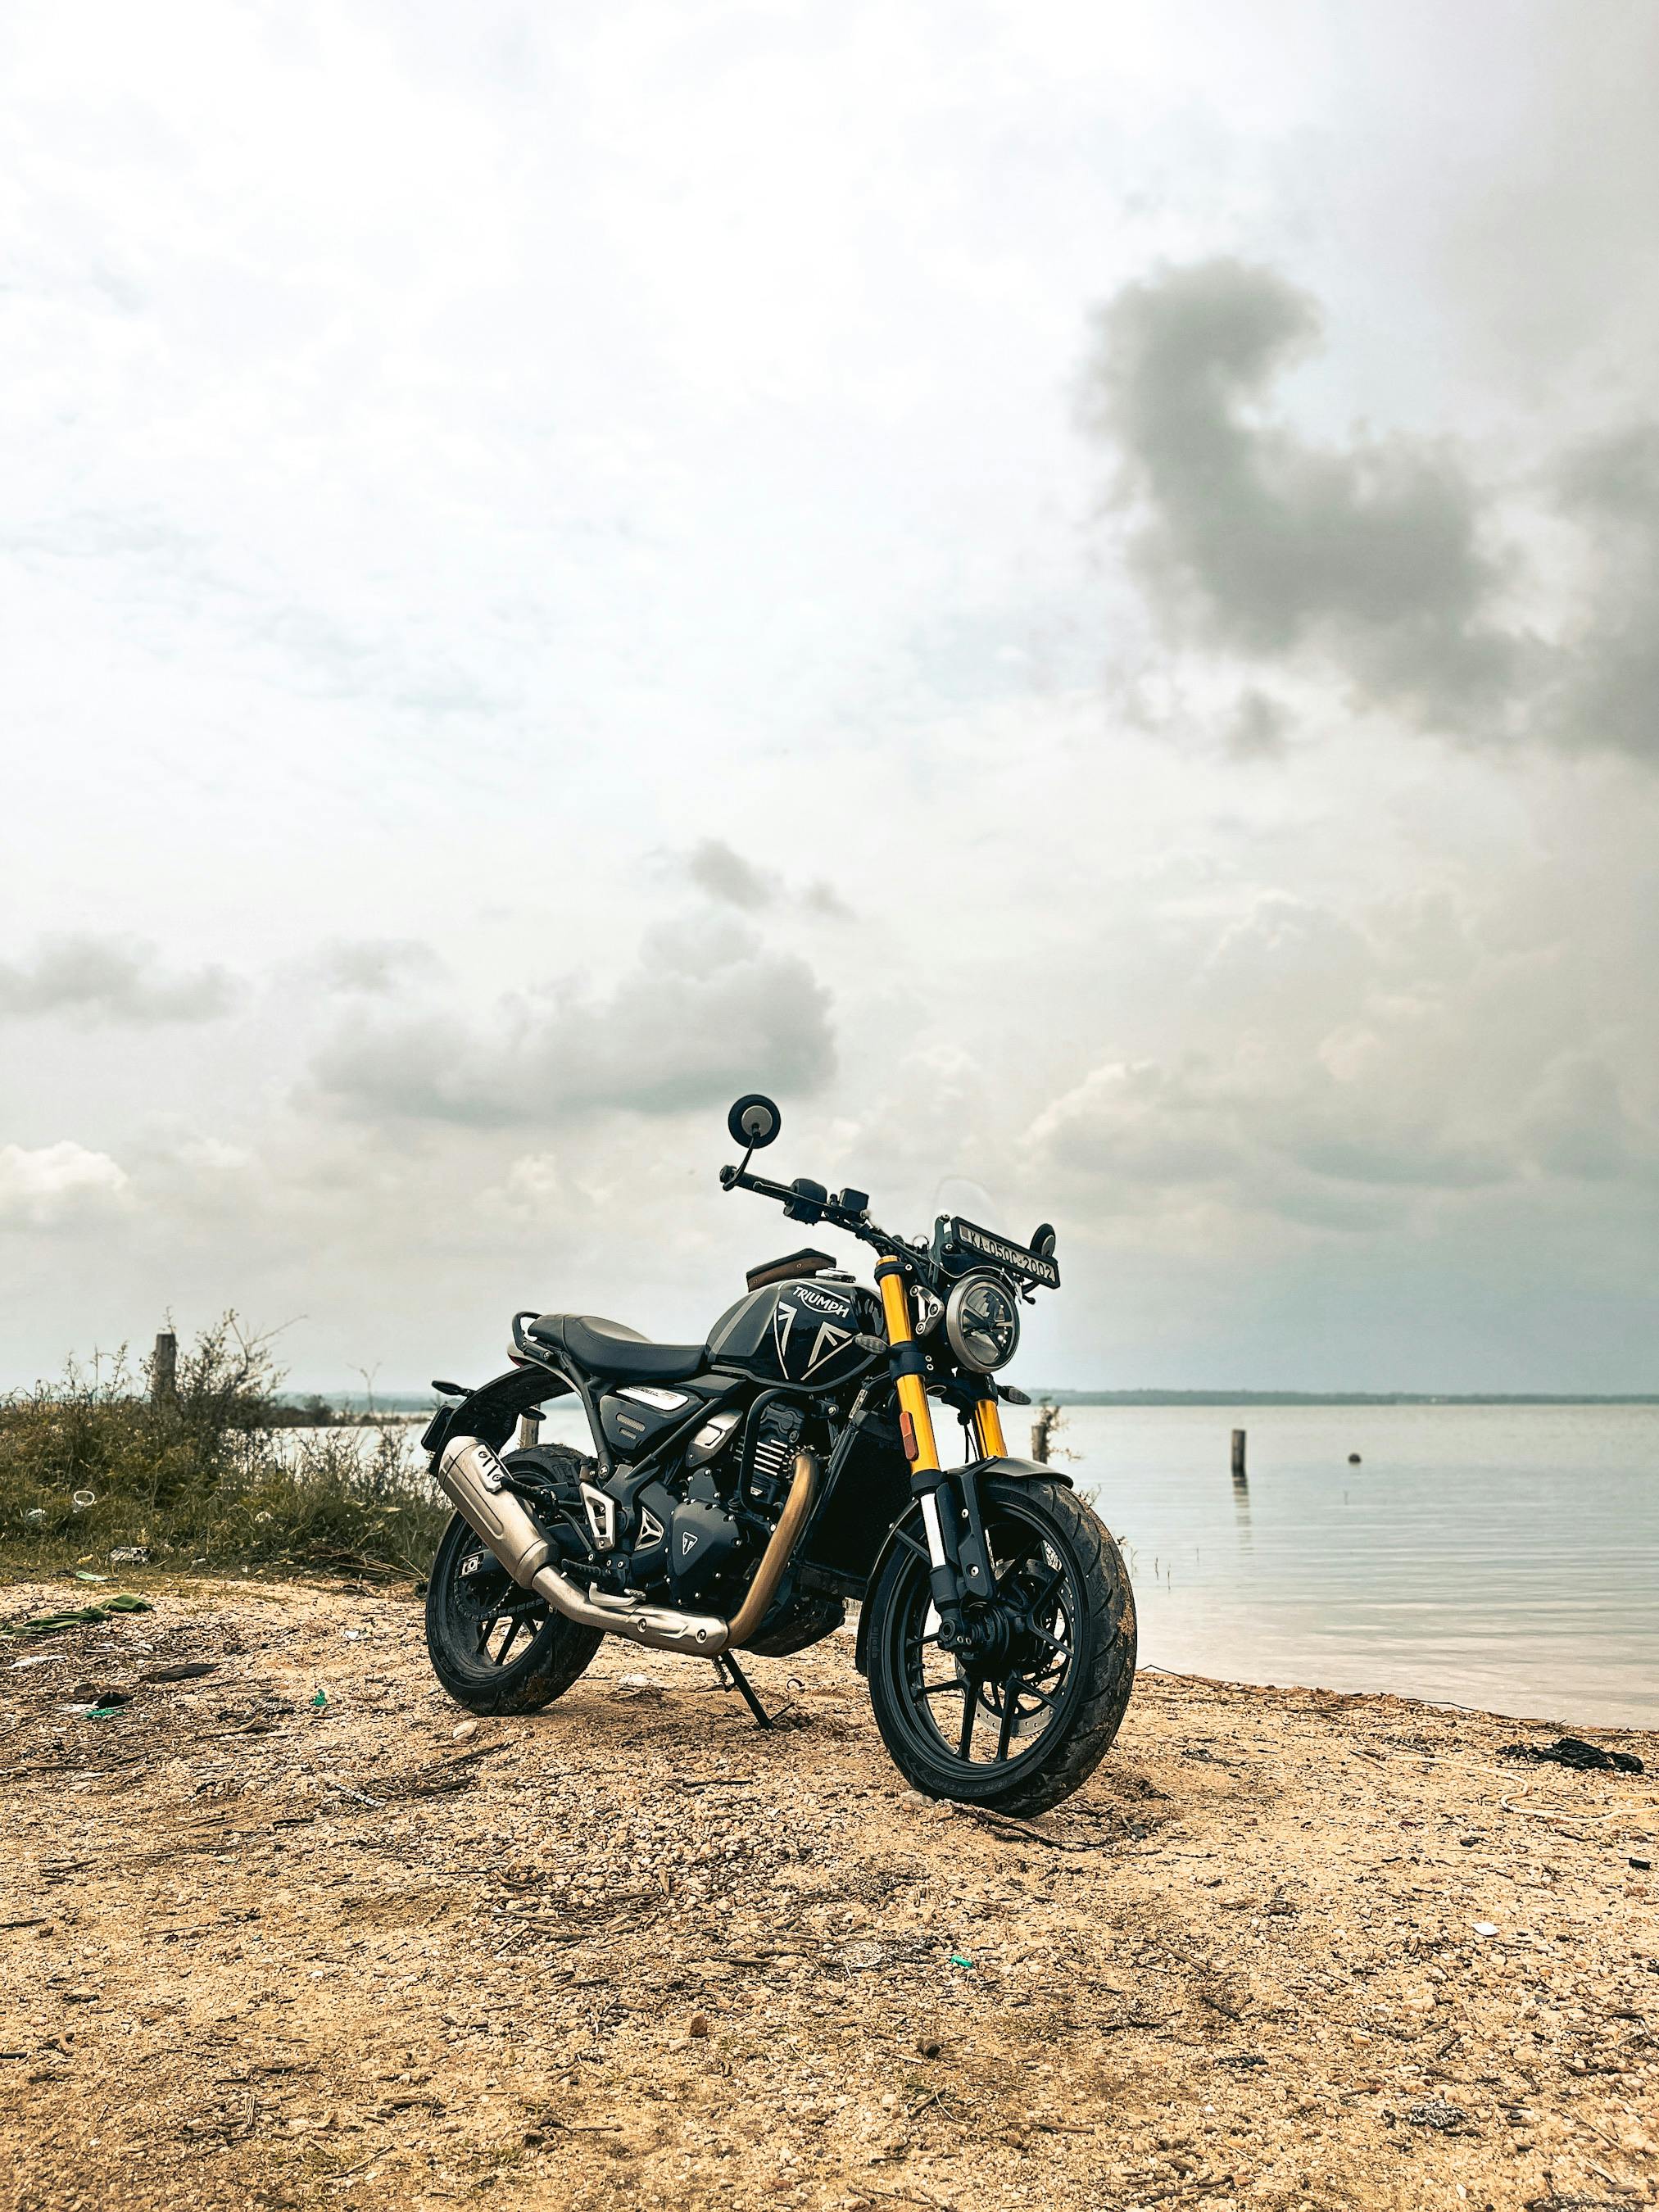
x: 808, y: 1202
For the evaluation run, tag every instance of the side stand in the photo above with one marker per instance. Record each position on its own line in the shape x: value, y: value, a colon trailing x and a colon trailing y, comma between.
x: 732, y: 1675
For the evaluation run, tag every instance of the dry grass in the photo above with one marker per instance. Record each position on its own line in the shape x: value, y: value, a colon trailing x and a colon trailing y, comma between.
x: 210, y: 1473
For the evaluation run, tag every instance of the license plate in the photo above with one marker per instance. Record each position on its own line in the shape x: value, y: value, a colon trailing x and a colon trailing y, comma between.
x: 1016, y: 1259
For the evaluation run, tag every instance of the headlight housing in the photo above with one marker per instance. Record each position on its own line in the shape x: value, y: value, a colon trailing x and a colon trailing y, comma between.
x: 981, y: 1321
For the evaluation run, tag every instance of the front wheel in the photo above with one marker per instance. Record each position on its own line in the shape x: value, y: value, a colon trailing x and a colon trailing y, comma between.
x: 1023, y: 1717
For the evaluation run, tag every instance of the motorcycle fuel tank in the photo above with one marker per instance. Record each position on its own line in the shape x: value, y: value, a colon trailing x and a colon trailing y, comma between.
x: 798, y: 1332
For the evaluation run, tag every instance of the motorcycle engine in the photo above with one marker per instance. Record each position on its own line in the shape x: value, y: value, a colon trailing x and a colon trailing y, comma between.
x: 694, y: 1535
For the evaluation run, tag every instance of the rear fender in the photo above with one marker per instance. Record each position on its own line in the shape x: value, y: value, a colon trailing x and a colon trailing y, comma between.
x: 491, y: 1411
x: 908, y: 1527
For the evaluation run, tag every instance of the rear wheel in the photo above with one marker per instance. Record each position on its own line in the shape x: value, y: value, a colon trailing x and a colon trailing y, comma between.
x: 496, y: 1648
x: 1023, y: 1717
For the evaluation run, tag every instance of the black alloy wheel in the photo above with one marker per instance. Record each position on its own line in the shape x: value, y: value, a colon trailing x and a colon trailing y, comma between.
x: 1021, y: 1717
x: 496, y: 1648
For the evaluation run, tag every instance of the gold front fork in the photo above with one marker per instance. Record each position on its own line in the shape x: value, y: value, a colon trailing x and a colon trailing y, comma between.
x: 915, y: 1415
x: 915, y: 1418
x: 987, y: 1425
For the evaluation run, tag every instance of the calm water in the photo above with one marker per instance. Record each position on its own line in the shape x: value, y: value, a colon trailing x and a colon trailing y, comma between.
x: 1505, y: 1557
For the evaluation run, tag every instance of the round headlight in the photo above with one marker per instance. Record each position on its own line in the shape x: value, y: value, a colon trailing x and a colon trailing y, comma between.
x: 982, y: 1320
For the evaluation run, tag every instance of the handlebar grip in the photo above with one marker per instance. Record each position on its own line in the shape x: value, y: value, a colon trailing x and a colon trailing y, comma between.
x: 737, y: 1179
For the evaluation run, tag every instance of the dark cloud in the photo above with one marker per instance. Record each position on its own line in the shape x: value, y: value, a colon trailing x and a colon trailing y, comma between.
x: 723, y: 874
x: 1252, y: 538
x: 1605, y: 691
x: 374, y: 967
x: 1258, y: 729
x: 720, y: 870
x: 709, y: 1010
x: 823, y: 899
x: 1373, y: 558
x: 104, y: 979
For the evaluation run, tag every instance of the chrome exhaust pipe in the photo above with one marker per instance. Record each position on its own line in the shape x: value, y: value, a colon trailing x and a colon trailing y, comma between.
x: 472, y: 1478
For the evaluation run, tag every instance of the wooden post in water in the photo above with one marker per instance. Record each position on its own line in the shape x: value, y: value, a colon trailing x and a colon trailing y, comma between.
x: 1239, y: 1474
x: 164, y: 1368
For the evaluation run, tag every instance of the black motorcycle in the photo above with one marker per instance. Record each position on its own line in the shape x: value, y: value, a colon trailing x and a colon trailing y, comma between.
x: 741, y: 1490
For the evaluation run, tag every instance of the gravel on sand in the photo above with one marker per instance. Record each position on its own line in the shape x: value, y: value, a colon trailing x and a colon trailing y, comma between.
x: 275, y: 1936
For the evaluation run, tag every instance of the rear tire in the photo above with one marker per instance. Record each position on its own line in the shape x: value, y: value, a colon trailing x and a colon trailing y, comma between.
x: 1058, y: 1672
x: 493, y: 1647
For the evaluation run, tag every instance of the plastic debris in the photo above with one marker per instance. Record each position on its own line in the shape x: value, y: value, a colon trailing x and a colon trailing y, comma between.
x: 86, y: 1574
x: 128, y: 1555
x: 83, y: 1500
x: 1484, y: 1927
x: 1643, y: 1866
x: 957, y: 1959
x: 460, y: 1734
x: 88, y: 1694
x: 319, y: 1702
x: 1573, y: 1751
x: 47, y: 1624
x: 35, y: 1517
x: 1436, y: 2112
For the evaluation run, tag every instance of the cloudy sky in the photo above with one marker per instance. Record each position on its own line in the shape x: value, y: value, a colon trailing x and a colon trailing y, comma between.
x: 1072, y: 589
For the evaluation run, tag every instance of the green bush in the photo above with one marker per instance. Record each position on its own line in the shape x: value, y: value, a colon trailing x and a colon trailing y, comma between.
x: 209, y: 1472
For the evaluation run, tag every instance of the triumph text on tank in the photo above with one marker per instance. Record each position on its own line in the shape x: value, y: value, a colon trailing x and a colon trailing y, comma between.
x: 740, y: 1492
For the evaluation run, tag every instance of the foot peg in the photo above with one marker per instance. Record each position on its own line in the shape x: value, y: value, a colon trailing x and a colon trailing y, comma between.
x: 731, y: 1676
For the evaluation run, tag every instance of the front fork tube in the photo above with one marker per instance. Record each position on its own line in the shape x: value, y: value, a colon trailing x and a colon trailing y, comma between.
x: 959, y: 1555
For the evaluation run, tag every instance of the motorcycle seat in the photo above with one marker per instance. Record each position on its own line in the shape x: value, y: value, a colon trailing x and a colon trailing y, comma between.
x: 615, y: 1353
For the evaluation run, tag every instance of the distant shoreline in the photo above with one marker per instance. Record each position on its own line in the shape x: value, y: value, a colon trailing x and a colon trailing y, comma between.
x: 356, y: 1403
x: 1334, y: 1398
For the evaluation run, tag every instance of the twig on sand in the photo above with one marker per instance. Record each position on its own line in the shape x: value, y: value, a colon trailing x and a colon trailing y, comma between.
x: 1004, y: 1824
x: 333, y: 2180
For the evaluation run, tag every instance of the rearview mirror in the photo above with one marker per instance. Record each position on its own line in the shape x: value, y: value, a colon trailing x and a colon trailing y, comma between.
x: 754, y: 1121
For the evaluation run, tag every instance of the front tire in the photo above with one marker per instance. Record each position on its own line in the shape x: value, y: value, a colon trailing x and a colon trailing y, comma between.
x: 496, y: 1648
x: 1025, y: 1718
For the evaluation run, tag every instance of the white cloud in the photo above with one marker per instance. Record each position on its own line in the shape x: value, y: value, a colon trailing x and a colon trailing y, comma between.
x: 57, y: 1184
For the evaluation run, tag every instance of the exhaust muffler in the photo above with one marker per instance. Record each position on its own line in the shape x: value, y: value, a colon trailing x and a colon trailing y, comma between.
x: 473, y: 1479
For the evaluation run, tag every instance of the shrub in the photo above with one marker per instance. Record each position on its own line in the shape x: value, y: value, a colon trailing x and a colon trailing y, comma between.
x: 207, y: 1474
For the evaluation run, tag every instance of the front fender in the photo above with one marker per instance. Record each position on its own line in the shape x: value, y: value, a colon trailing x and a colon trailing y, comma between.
x: 908, y: 1526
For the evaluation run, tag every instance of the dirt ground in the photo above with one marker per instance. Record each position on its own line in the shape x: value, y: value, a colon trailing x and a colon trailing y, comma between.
x: 275, y: 1937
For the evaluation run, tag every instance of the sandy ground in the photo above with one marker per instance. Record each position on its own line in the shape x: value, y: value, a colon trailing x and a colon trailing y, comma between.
x: 261, y: 1951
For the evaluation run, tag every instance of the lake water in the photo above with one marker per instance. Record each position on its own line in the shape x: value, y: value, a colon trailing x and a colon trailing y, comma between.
x: 1499, y: 1556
